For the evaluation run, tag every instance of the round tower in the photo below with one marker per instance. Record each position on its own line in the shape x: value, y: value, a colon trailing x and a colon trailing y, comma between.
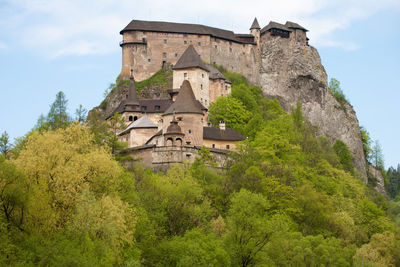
x: 255, y: 31
x: 174, y: 135
x: 188, y: 112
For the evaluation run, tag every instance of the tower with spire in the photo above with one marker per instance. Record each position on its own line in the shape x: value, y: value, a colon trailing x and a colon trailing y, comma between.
x: 255, y: 30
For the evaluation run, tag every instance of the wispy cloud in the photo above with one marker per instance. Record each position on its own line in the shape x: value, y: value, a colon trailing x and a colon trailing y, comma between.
x: 73, y: 27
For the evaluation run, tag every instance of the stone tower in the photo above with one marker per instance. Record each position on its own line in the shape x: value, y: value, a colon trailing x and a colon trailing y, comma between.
x: 255, y: 31
x: 189, y: 113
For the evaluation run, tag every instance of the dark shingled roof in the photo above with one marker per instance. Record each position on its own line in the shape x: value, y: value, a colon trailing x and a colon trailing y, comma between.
x: 216, y: 74
x: 275, y: 25
x: 172, y: 27
x: 214, y: 133
x: 293, y: 25
x: 145, y: 106
x: 190, y: 59
x: 185, y: 101
x: 255, y: 24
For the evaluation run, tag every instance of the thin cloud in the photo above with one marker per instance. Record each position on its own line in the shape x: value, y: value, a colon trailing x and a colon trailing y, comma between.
x: 73, y: 27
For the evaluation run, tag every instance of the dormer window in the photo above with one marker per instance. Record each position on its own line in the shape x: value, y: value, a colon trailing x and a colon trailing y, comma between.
x: 157, y: 108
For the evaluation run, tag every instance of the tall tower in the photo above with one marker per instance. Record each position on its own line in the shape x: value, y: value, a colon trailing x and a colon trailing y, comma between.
x: 255, y: 31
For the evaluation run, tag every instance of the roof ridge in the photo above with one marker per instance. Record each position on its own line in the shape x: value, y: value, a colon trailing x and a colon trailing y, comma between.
x: 190, y: 59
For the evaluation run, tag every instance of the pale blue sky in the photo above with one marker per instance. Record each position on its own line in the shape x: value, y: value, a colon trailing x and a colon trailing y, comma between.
x: 71, y: 45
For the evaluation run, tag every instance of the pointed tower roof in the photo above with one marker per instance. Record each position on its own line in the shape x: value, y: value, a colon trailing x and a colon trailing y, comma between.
x: 185, y: 101
x: 255, y: 24
x: 190, y: 59
x: 132, y: 99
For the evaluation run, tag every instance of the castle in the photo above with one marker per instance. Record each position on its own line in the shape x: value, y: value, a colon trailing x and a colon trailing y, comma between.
x: 167, y: 131
x: 149, y: 45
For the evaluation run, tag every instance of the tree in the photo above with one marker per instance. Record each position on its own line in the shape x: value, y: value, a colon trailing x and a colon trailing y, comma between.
x: 336, y: 90
x: 343, y: 153
x: 5, y: 145
x: 81, y: 114
x: 58, y: 116
x: 366, y: 140
x: 231, y: 111
x: 377, y: 155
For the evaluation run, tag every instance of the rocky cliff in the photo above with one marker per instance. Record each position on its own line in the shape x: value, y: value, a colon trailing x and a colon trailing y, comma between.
x: 293, y: 73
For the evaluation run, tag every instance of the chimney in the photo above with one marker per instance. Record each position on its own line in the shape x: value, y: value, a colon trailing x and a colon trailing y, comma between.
x: 222, y: 125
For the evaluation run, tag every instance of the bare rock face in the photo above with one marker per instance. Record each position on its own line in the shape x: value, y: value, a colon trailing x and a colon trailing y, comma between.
x: 378, y: 177
x: 293, y: 73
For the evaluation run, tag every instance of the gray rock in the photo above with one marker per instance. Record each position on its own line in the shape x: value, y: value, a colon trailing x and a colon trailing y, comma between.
x: 293, y: 73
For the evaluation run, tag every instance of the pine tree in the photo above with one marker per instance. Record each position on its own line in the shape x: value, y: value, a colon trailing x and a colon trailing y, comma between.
x: 58, y: 116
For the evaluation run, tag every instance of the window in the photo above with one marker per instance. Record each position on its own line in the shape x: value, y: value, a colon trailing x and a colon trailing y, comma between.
x: 226, y: 87
x: 215, y: 46
x: 176, y: 54
x: 179, y: 118
x: 130, y: 118
x: 190, y: 131
x: 201, y: 86
x: 185, y: 42
x: 185, y: 75
x: 135, y: 118
x: 148, y: 60
x: 144, y: 40
x: 205, y: 101
x: 190, y: 41
x: 165, y: 41
x: 227, y: 146
x: 202, y: 75
x: 199, y: 43
x: 188, y: 142
x: 157, y: 108
x: 164, y: 54
x: 143, y: 108
x: 213, y: 145
x: 230, y: 49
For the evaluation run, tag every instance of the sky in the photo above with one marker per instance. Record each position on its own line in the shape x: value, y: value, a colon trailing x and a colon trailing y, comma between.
x: 73, y: 46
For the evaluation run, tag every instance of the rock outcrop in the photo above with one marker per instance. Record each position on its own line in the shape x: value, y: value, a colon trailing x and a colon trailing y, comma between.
x: 293, y: 73
x: 379, y: 181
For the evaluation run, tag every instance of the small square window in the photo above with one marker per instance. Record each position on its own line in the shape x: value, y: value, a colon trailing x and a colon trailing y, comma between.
x: 157, y: 108
x: 226, y: 87
x: 184, y: 42
x: 227, y: 146
x: 176, y: 54
x: 185, y: 75
x: 213, y: 145
x: 201, y: 86
x: 165, y: 41
x: 164, y: 54
x: 190, y: 131
x: 199, y: 43
x: 148, y: 60
x: 215, y: 46
x: 202, y: 75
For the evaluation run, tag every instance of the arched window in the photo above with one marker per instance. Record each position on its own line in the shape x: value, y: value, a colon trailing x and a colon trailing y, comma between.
x: 169, y: 142
x: 178, y: 142
x: 130, y: 118
x: 135, y: 118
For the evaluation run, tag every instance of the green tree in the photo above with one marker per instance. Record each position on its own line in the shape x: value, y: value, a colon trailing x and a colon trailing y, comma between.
x: 337, y: 92
x: 81, y: 114
x: 366, y: 140
x: 231, y: 111
x: 58, y: 116
x: 343, y: 153
x: 377, y: 155
x: 5, y: 145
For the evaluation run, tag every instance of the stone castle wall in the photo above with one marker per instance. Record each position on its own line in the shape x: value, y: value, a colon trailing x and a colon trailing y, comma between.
x: 145, y: 53
x: 199, y: 80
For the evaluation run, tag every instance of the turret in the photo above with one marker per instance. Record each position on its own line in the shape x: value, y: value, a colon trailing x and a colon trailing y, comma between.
x: 255, y: 31
x: 174, y: 135
x: 189, y: 113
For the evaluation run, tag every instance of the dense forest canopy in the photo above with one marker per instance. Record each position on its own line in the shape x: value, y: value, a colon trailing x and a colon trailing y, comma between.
x: 287, y: 198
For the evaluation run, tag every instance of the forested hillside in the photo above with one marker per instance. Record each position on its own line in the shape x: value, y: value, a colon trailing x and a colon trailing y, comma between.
x: 288, y: 198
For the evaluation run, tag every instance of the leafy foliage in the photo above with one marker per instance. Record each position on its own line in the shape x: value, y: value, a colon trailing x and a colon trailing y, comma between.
x: 337, y: 92
x: 289, y: 198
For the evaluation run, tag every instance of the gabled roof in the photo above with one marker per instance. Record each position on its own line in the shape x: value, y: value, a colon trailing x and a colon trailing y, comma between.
x: 145, y: 106
x: 255, y: 24
x: 172, y: 27
x: 185, y: 101
x: 143, y: 123
x: 275, y: 25
x: 216, y: 74
x: 293, y: 25
x: 214, y: 133
x: 190, y: 59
